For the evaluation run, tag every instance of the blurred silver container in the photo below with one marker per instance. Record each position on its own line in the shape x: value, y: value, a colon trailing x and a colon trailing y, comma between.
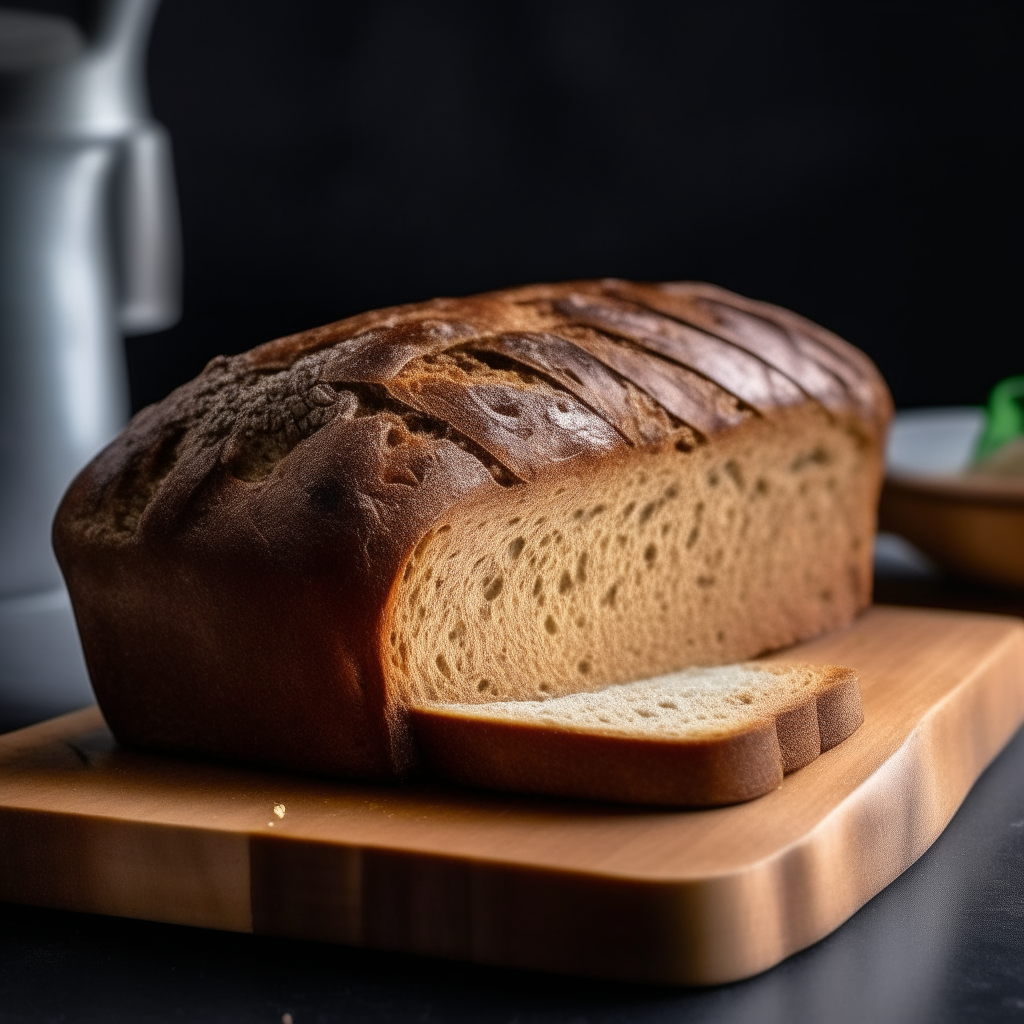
x: 89, y: 251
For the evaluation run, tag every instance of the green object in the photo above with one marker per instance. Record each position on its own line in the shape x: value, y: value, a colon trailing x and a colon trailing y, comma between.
x: 1004, y: 417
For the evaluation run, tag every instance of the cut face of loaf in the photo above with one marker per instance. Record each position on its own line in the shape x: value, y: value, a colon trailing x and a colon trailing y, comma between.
x: 531, y: 492
x: 685, y: 555
x: 700, y: 737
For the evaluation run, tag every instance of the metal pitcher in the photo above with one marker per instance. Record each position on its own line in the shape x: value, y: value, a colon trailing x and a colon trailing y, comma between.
x: 89, y: 251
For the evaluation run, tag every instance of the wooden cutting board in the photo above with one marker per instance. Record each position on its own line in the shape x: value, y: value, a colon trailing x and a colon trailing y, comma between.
x: 617, y: 892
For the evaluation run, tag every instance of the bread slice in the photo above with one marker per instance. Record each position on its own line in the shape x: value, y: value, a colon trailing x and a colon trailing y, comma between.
x: 696, y: 738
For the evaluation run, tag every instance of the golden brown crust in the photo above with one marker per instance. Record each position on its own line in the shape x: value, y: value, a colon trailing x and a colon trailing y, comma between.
x: 745, y: 763
x: 231, y: 555
x: 521, y: 758
x: 840, y: 709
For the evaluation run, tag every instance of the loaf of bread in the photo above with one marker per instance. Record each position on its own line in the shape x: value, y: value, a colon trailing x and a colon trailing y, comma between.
x: 695, y: 738
x: 523, y: 494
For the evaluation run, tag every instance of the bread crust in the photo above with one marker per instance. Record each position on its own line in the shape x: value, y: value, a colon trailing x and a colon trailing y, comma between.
x: 233, y: 555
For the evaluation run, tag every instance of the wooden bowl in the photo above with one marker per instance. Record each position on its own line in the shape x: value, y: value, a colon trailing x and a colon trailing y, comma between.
x: 971, y: 525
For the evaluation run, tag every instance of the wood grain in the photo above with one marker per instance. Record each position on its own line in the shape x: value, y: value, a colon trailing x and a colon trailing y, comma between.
x: 619, y: 892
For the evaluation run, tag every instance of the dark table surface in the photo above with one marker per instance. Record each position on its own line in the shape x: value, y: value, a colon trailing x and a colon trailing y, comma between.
x: 944, y: 942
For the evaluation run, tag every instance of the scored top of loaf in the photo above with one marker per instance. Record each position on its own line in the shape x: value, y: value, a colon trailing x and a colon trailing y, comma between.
x: 516, y: 380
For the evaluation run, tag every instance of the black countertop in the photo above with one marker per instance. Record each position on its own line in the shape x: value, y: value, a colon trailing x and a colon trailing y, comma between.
x: 944, y: 942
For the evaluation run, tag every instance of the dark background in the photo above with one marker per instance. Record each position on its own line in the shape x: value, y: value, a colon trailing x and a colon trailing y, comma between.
x: 859, y: 163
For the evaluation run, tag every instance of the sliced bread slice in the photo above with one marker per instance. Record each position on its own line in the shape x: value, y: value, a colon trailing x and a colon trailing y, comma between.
x: 696, y: 738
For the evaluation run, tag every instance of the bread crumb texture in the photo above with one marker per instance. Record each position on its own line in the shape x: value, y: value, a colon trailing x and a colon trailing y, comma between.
x: 691, y: 556
x: 695, y: 704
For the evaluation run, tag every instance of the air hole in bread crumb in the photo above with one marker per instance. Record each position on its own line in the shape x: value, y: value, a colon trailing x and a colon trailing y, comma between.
x: 671, y: 705
x: 458, y: 631
x: 483, y: 685
x: 732, y: 467
x: 565, y: 583
x: 609, y: 597
x: 650, y: 554
x: 538, y: 586
x: 646, y: 512
x: 583, y: 667
x: 746, y: 698
x: 394, y: 437
x: 515, y: 549
x: 492, y: 587
x: 581, y: 568
x: 817, y: 457
x: 550, y: 625
x: 628, y: 510
x: 443, y: 666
